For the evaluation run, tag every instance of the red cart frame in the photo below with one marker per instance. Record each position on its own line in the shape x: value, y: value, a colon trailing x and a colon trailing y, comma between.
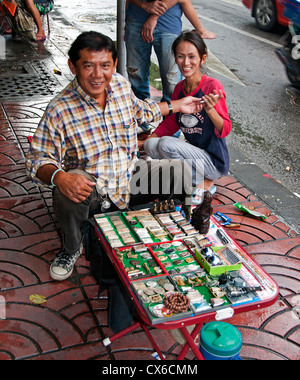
x: 181, y: 324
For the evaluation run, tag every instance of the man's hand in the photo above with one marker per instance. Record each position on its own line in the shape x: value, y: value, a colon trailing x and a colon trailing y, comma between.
x: 148, y: 28
x: 76, y: 187
x: 157, y: 8
x: 189, y: 104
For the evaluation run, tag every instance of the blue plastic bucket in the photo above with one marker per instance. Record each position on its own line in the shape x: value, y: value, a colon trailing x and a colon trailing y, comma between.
x: 220, y: 341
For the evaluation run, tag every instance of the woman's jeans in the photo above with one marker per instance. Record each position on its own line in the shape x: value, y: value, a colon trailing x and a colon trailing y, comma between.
x: 139, y: 60
x: 199, y: 161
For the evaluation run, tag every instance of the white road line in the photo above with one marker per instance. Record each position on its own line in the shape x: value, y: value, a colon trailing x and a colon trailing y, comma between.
x: 214, y: 64
x: 234, y: 2
x: 261, y: 39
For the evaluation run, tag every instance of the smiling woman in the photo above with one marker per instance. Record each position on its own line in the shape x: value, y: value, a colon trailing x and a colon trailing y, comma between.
x: 205, y: 131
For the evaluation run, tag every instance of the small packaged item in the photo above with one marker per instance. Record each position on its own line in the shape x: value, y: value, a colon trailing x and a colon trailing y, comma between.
x: 250, y: 212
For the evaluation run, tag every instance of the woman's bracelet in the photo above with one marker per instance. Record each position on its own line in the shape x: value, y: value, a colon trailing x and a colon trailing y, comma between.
x: 53, y: 175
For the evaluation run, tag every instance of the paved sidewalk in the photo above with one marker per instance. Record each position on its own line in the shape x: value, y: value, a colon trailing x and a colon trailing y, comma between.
x: 72, y: 323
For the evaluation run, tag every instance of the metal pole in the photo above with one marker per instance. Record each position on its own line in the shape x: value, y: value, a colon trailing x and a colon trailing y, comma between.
x: 120, y: 37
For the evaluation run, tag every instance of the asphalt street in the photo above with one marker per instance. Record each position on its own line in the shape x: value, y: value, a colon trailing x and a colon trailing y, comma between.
x: 264, y: 108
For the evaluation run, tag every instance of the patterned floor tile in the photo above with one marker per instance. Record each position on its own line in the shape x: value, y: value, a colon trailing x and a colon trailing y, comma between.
x: 73, y: 321
x: 58, y: 330
x: 10, y: 153
x: 25, y: 110
x: 66, y: 318
x: 24, y: 215
x: 266, y: 346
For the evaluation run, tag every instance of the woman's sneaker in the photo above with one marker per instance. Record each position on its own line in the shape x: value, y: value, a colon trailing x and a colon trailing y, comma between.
x: 62, y: 267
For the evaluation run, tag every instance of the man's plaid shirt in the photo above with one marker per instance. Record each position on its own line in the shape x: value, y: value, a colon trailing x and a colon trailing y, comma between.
x: 75, y: 132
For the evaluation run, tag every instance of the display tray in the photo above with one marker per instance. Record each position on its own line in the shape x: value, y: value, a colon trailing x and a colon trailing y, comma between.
x: 210, y: 272
x: 115, y: 229
x: 201, y: 290
x: 149, y: 260
x: 122, y: 229
x: 152, y: 294
x: 138, y: 262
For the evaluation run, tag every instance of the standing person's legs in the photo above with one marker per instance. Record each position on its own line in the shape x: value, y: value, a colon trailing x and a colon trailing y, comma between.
x: 138, y: 60
x: 169, y: 71
x: 32, y: 9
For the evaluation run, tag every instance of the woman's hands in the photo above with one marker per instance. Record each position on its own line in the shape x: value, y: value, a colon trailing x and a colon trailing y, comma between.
x: 211, y: 100
x: 190, y: 104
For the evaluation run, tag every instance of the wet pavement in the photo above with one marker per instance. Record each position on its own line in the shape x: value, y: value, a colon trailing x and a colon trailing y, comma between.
x: 72, y: 323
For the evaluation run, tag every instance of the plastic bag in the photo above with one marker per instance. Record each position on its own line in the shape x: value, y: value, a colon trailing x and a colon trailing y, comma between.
x: 250, y: 212
x: 24, y: 23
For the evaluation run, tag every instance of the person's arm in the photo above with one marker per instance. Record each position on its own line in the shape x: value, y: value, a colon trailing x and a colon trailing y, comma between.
x: 210, y: 101
x: 45, y: 157
x: 148, y: 111
x: 187, y: 104
x: 191, y: 14
x: 148, y: 28
x: 76, y: 187
x: 157, y: 8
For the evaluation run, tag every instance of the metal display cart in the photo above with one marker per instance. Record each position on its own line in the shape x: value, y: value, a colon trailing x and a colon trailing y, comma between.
x: 250, y: 286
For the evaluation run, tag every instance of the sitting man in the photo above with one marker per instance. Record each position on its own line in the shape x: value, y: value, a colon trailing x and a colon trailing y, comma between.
x: 86, y: 145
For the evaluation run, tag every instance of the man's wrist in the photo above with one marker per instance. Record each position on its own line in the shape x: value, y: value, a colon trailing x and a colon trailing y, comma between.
x: 170, y: 107
x: 54, y: 174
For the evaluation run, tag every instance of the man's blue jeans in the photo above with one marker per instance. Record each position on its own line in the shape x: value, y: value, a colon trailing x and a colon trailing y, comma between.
x: 139, y: 60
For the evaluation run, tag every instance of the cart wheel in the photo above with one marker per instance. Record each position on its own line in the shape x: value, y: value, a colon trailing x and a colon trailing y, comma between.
x: 295, y: 80
x: 265, y: 15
